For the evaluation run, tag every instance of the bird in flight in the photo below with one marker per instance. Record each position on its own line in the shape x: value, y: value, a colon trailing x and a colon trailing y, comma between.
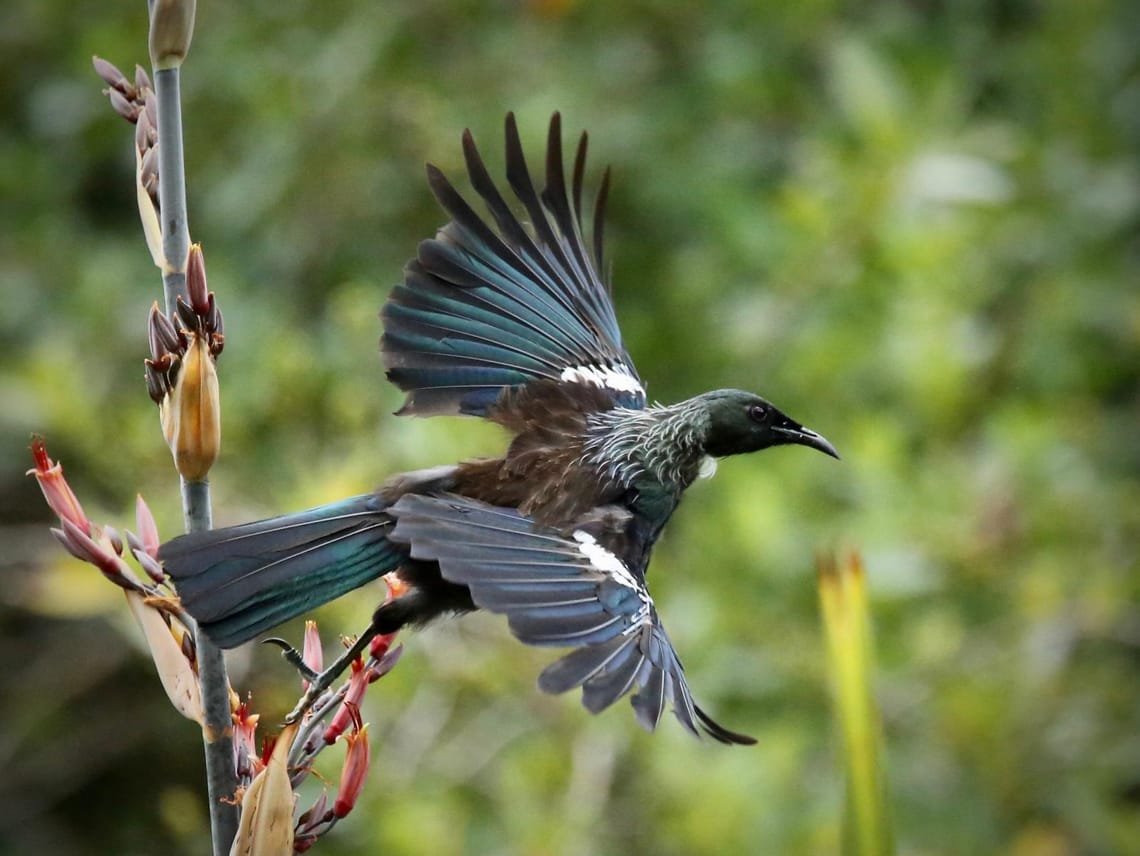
x: 507, y: 318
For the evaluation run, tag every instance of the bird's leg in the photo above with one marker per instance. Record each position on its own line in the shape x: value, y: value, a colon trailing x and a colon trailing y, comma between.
x: 397, y: 609
x: 321, y: 681
x: 292, y: 656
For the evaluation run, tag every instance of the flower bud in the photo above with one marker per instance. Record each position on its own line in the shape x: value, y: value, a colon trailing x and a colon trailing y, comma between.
x: 191, y: 413
x: 150, y: 565
x: 311, y: 653
x: 171, y: 29
x: 142, y: 81
x: 97, y: 551
x: 196, y: 288
x: 65, y: 542
x: 312, y: 823
x: 113, y: 77
x: 163, y: 337
x: 148, y: 529
x: 148, y: 169
x: 213, y: 322
x: 157, y: 383
x: 122, y: 105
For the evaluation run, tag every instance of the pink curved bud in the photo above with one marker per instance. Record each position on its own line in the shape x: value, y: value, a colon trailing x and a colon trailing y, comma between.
x: 311, y: 653
x: 196, y: 287
x: 142, y: 80
x: 148, y: 529
x: 95, y: 553
x: 112, y: 76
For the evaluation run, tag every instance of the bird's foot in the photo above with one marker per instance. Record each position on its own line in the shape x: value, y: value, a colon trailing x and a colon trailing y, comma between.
x: 293, y: 657
x: 319, y: 681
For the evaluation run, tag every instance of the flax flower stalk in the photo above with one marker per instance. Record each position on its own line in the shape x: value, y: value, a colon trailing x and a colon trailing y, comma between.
x: 171, y: 31
x: 847, y: 629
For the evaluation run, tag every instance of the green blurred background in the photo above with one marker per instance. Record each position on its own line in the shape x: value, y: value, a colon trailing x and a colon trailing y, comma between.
x: 915, y: 226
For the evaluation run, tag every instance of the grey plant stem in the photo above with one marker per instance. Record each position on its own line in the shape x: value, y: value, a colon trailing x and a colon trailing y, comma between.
x: 217, y: 728
x: 172, y: 188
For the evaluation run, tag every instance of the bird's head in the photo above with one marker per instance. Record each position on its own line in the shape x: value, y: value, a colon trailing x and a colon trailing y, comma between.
x: 742, y: 422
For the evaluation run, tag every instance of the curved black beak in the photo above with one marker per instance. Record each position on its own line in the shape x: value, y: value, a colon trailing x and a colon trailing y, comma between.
x: 790, y: 432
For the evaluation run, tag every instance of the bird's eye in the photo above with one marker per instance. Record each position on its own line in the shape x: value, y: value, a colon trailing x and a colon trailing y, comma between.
x: 757, y: 412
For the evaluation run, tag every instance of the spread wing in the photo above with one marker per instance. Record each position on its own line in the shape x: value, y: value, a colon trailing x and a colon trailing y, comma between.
x: 488, y: 307
x: 559, y: 590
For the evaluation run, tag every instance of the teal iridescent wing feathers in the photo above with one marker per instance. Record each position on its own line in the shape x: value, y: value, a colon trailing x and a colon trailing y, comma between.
x: 484, y: 308
x: 564, y: 590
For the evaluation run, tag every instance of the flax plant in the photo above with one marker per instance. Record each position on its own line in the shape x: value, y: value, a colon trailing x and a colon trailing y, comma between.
x: 265, y: 781
x: 185, y: 339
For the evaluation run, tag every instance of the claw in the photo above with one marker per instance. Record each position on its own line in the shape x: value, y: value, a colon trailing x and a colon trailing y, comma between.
x: 319, y: 682
x: 294, y: 658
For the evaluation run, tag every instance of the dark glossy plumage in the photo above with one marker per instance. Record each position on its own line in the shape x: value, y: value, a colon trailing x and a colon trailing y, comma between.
x: 509, y: 321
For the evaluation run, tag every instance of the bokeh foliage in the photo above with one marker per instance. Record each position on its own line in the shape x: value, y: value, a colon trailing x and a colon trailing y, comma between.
x: 913, y: 226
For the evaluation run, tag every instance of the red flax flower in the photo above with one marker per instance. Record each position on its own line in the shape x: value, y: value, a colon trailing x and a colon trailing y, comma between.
x: 171, y: 646
x: 79, y: 536
x: 356, y: 760
x: 382, y: 658
x: 57, y: 492
x: 350, y: 707
x: 247, y: 762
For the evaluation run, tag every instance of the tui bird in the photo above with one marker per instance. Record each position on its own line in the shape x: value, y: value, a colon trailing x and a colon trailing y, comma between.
x: 512, y: 323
